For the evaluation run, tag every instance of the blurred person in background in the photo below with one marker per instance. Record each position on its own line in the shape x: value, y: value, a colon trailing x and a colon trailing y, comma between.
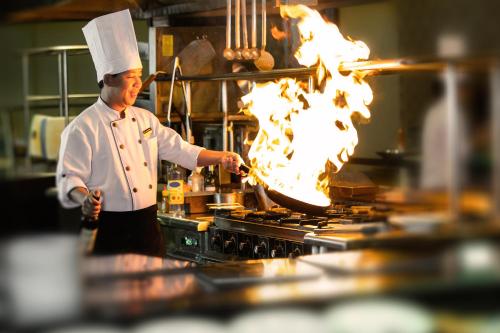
x: 435, y: 150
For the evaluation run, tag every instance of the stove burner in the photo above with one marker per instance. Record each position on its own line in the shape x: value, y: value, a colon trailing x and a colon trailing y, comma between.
x: 305, y: 220
x: 266, y: 215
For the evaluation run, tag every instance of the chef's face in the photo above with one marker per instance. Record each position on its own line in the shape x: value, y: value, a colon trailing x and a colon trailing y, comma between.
x: 129, y: 83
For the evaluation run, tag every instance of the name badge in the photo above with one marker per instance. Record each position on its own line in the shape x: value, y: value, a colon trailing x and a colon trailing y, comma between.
x: 147, y: 132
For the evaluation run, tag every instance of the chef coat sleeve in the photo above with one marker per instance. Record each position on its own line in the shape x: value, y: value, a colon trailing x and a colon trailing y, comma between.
x: 173, y: 148
x: 74, y: 164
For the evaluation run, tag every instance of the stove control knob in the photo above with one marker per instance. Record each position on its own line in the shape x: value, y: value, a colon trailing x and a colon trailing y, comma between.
x: 260, y: 250
x: 215, y: 241
x: 245, y: 247
x: 230, y: 245
x: 296, y: 253
x: 277, y: 252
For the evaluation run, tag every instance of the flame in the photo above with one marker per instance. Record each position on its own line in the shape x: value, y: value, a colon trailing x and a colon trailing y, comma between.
x: 304, y: 133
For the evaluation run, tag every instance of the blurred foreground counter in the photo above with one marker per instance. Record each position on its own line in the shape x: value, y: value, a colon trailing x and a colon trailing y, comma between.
x: 50, y: 288
x: 134, y: 287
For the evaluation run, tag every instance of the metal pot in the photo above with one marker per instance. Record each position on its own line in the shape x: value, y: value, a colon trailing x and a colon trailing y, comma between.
x: 229, y: 198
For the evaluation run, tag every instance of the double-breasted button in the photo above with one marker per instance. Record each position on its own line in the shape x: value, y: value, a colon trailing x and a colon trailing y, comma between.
x: 150, y: 186
x: 145, y: 163
x: 133, y: 119
x: 63, y: 175
x: 127, y: 168
x: 114, y: 125
x: 140, y: 141
x: 122, y: 146
x: 134, y: 189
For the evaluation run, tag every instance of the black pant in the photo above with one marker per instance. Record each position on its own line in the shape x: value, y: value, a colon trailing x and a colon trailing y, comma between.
x: 130, y: 232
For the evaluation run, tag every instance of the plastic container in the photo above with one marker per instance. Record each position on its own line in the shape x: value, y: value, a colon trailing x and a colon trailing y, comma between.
x: 196, y: 181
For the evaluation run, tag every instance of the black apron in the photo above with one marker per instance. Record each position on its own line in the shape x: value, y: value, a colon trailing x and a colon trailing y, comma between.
x: 130, y: 232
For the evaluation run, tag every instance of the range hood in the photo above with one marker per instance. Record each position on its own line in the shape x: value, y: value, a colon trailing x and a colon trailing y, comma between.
x: 18, y: 11
x: 54, y: 10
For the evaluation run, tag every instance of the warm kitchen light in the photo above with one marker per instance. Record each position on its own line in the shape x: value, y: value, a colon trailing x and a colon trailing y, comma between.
x: 305, y: 132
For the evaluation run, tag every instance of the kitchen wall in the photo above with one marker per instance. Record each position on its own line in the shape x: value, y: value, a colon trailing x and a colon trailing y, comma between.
x: 81, y: 72
x: 376, y: 25
x: 420, y: 25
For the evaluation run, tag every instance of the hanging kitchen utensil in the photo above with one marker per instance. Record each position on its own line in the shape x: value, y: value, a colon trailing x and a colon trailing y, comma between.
x: 245, y: 53
x: 266, y: 61
x: 190, y: 61
x: 254, y: 51
x: 289, y: 202
x: 196, y: 55
x: 237, y: 41
x: 186, y: 88
x: 228, y: 51
x: 170, y: 98
x: 146, y: 83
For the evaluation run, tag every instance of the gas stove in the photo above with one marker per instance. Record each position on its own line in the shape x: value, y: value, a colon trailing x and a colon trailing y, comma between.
x: 277, y: 233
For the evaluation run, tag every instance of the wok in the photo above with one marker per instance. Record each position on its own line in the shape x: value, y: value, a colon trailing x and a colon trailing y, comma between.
x: 288, y: 202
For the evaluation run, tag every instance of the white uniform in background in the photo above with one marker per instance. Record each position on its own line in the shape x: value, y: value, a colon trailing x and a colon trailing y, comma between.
x: 119, y: 156
x: 435, y: 153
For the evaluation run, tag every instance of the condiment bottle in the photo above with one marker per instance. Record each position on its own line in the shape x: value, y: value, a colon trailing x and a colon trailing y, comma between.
x: 176, y: 192
x: 197, y: 181
x: 210, y: 179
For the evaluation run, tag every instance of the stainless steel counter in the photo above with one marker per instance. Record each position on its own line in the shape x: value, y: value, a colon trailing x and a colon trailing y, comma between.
x: 169, y: 287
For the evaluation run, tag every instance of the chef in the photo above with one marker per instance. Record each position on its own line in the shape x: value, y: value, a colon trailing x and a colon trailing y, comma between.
x: 109, y: 154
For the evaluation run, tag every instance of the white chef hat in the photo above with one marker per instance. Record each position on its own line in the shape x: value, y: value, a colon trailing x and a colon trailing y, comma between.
x: 112, y: 43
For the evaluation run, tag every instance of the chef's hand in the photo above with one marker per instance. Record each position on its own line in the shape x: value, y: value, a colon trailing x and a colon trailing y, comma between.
x: 91, y: 206
x: 231, y: 162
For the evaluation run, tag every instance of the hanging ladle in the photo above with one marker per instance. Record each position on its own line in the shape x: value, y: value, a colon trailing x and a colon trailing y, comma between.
x: 254, y: 51
x: 266, y: 61
x: 228, y: 51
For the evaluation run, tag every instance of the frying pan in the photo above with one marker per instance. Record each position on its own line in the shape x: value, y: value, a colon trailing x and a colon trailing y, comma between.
x: 288, y: 202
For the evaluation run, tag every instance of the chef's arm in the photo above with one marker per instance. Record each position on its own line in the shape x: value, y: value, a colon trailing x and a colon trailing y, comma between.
x: 229, y: 160
x: 90, y: 201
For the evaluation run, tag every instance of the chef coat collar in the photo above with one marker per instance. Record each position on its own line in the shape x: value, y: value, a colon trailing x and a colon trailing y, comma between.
x: 113, y: 114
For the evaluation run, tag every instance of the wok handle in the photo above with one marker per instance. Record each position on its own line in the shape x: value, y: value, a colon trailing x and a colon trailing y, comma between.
x: 244, y: 168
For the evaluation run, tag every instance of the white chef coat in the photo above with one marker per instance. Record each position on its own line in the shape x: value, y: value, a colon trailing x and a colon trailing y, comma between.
x: 100, y: 150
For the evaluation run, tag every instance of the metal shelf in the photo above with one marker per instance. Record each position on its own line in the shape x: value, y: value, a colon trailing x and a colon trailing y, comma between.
x: 54, y: 50
x: 372, y: 67
x: 268, y: 75
x: 42, y: 98
x: 61, y: 53
x: 210, y: 117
